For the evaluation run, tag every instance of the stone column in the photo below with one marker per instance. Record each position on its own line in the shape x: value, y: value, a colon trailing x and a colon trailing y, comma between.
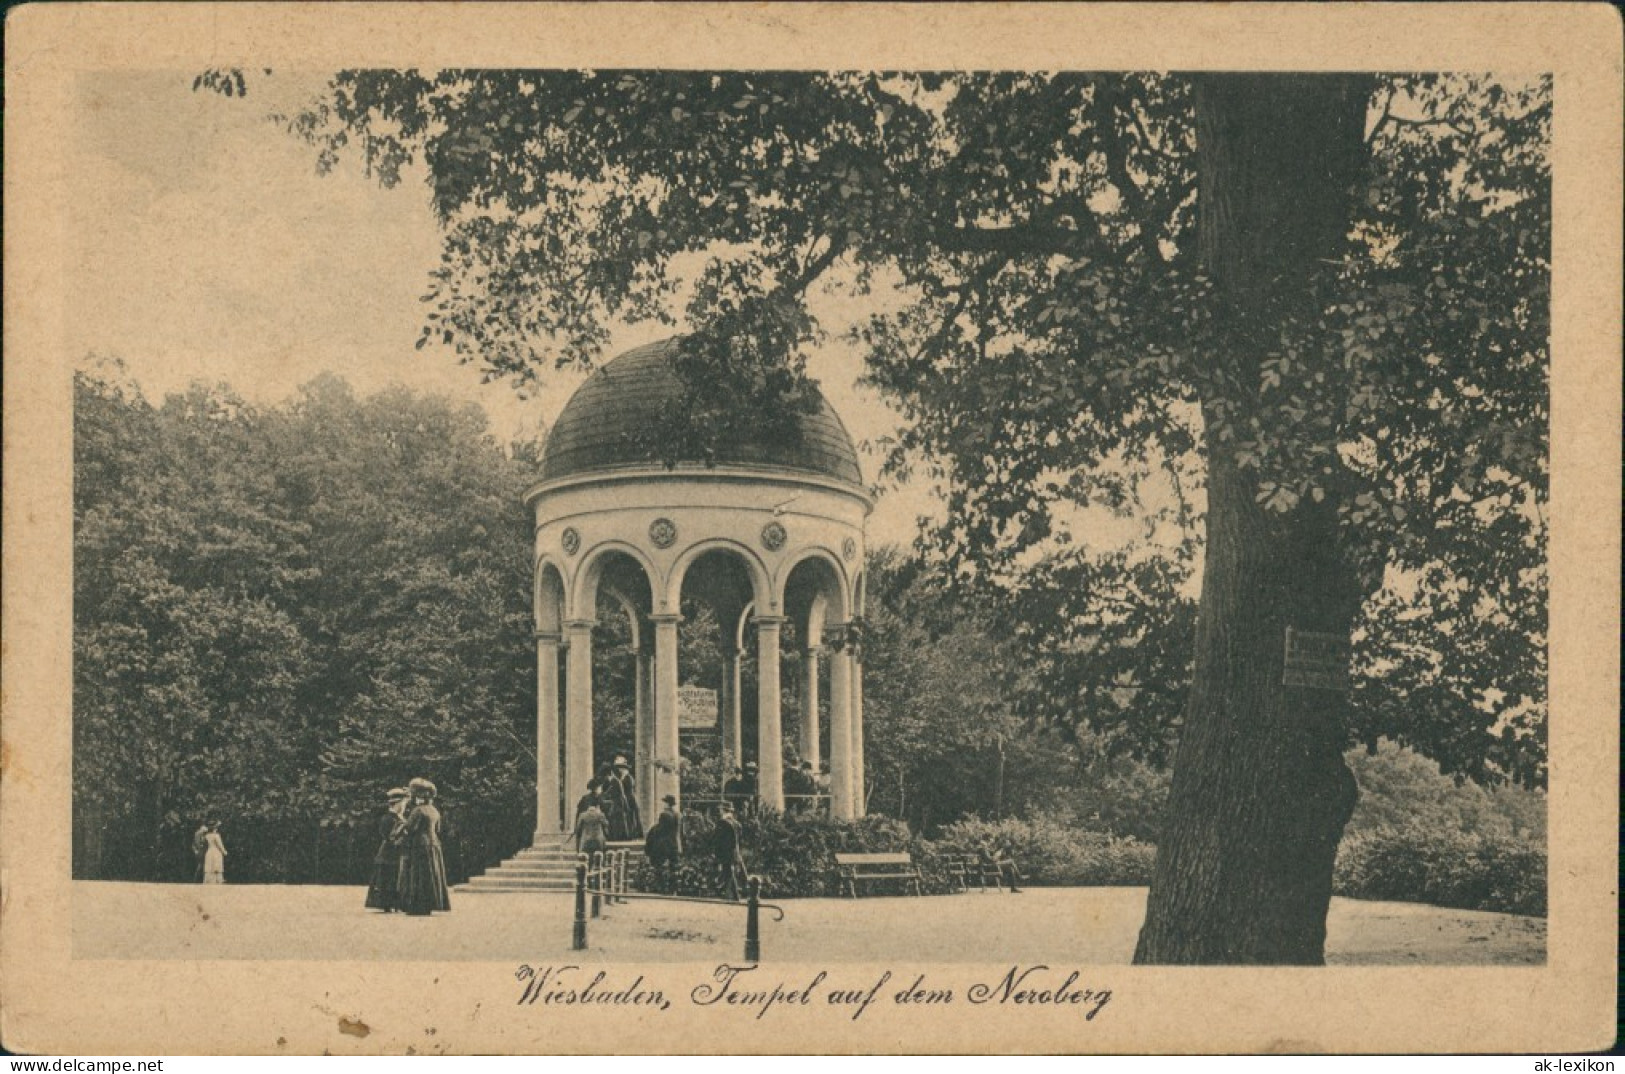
x: 644, y: 732
x: 840, y: 731
x: 733, y: 725
x: 667, y: 752
x: 548, y: 817
x: 808, y: 744
x: 578, y: 715
x: 860, y: 796
x: 769, y: 733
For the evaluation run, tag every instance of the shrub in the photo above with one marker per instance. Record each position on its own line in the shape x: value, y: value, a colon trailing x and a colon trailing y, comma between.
x: 793, y: 854
x: 1049, y: 852
x: 1400, y: 787
x: 1445, y: 867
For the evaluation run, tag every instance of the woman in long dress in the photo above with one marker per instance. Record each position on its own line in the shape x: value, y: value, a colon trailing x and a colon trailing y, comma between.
x: 628, y: 825
x: 214, y: 856
x: 612, y: 802
x: 383, y: 893
x: 422, y: 885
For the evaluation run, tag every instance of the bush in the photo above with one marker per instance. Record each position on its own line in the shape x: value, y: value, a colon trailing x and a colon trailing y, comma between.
x: 1400, y: 787
x: 793, y: 854
x: 1049, y: 852
x: 1445, y: 867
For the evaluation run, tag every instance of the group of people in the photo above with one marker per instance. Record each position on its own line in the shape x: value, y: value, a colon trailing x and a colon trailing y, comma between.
x: 663, y: 847
x: 803, y: 787
x: 608, y: 813
x: 409, y: 869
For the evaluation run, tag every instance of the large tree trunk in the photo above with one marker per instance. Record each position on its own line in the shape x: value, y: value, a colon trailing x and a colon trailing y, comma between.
x: 1260, y: 794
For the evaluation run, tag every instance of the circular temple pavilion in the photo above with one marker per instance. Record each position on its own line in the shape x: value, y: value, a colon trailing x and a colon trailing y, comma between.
x: 768, y: 533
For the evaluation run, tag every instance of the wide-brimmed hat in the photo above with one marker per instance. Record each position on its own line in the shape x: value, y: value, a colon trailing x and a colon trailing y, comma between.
x: 670, y: 799
x: 398, y: 792
x: 750, y: 766
x: 620, y: 761
x: 422, y: 787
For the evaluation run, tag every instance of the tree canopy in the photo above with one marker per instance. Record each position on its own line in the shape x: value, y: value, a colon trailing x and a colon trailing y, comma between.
x: 282, y: 611
x: 1061, y: 341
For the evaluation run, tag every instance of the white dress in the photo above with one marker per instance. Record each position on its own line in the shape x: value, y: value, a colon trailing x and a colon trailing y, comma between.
x: 214, y: 860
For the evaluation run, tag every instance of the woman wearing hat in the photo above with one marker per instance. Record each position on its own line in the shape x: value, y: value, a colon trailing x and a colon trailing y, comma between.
x: 625, y: 821
x: 422, y: 884
x: 611, y: 802
x: 382, y: 893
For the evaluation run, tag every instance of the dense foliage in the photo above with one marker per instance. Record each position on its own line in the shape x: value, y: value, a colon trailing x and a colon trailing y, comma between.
x: 281, y: 612
x: 1053, y: 851
x: 1445, y: 867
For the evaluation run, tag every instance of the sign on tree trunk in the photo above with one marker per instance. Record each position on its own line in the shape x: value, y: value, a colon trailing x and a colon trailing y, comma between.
x: 1316, y: 660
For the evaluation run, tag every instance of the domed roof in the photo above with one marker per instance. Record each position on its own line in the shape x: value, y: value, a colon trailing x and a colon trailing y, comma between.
x: 599, y: 427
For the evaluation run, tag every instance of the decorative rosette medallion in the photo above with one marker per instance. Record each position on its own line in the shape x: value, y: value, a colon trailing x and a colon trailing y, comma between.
x: 849, y: 549
x: 773, y: 536
x: 571, y: 540
x: 663, y: 532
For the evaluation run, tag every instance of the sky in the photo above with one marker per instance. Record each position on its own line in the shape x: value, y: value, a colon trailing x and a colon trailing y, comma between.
x: 206, y: 247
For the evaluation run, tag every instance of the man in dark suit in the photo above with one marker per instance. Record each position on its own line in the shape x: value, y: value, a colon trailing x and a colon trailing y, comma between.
x: 749, y: 792
x: 664, y: 846
x: 725, y: 846
x: 800, y: 787
x: 736, y: 792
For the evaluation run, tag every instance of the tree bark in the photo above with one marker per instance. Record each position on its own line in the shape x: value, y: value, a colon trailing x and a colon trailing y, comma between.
x: 1260, y: 793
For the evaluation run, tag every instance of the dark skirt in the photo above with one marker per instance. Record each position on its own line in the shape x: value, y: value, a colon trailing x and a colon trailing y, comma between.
x: 382, y: 891
x: 422, y: 885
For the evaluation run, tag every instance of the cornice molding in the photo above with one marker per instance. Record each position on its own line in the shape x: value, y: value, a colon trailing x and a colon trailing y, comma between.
x: 726, y: 474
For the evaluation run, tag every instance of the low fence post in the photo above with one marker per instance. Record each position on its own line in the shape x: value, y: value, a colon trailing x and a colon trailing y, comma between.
x: 597, y: 876
x: 753, y: 925
x: 579, y: 941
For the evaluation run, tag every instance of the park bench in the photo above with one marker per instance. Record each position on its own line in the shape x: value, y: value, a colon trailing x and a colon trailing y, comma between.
x: 855, y: 869
x: 984, y: 870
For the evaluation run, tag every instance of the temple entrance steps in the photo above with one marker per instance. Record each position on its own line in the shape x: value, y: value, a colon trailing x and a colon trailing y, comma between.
x: 547, y: 865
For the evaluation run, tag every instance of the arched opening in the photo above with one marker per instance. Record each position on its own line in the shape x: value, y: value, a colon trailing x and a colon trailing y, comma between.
x: 714, y: 736
x: 820, y: 770
x: 607, y: 723
x: 548, y: 609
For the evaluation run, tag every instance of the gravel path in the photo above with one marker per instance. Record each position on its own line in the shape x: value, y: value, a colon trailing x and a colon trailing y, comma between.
x: 1083, y: 926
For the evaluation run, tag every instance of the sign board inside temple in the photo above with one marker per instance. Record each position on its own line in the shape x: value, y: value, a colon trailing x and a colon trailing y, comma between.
x: 696, y: 709
x: 1316, y: 660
